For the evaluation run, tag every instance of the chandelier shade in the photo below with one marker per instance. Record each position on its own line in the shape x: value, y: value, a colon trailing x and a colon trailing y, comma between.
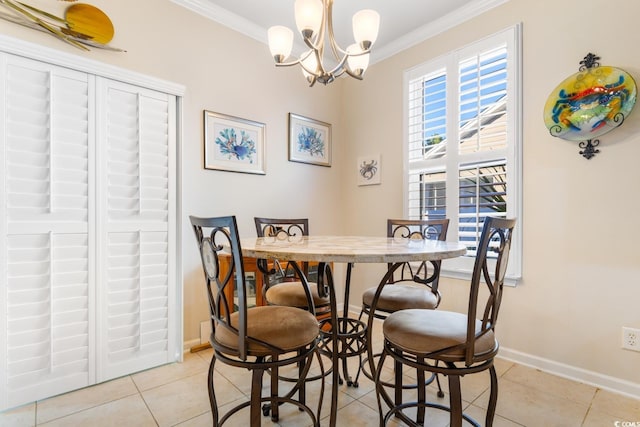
x: 314, y: 21
x: 357, y: 63
x: 280, y: 42
x: 308, y: 15
x: 365, y: 27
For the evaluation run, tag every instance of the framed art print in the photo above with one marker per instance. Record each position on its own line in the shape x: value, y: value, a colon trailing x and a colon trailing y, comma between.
x: 309, y: 141
x: 368, y: 168
x: 233, y: 144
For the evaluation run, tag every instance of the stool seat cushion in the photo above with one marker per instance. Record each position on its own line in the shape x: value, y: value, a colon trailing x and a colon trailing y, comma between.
x: 401, y: 296
x: 428, y: 331
x: 287, y: 328
x: 292, y: 294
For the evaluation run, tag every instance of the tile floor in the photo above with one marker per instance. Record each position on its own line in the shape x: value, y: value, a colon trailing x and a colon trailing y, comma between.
x: 176, y: 395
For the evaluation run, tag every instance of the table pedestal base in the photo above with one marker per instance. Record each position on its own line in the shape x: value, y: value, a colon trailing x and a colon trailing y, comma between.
x: 351, y: 341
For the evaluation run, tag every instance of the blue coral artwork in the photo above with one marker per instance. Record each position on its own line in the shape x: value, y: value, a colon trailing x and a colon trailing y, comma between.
x: 234, y: 144
x: 309, y: 140
x: 230, y: 147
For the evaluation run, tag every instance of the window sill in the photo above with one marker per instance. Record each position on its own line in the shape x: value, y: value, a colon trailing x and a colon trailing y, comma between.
x: 466, y: 275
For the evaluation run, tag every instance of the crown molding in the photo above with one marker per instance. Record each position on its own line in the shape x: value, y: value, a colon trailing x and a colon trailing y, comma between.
x: 224, y: 17
x: 434, y: 28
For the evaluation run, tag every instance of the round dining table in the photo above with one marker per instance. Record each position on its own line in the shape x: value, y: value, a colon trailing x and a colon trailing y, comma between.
x: 350, y: 250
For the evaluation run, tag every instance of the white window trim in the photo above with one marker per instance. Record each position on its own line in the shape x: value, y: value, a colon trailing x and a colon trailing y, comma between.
x: 513, y: 37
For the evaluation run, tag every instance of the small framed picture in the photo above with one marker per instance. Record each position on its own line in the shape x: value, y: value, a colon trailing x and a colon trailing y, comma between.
x: 309, y: 141
x: 369, y: 170
x: 233, y: 144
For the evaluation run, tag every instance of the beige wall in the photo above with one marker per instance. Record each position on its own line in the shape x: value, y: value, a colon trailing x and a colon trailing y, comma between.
x: 581, y: 279
x: 581, y: 262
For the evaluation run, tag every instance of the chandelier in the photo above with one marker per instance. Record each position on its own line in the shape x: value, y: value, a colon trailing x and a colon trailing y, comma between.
x: 314, y: 19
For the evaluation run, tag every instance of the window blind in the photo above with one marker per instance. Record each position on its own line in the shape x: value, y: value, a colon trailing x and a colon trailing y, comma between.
x: 463, y: 136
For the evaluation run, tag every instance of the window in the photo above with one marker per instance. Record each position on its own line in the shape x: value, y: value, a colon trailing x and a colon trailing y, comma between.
x: 463, y: 142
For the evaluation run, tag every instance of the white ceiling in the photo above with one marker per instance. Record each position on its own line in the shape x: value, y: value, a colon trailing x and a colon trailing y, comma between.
x: 403, y: 23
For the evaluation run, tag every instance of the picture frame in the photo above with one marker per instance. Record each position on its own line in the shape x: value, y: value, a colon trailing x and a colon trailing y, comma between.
x: 309, y: 141
x: 368, y: 170
x: 233, y: 144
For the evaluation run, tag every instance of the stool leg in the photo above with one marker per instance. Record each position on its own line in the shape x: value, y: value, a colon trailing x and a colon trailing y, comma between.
x: 345, y: 368
x: 440, y: 392
x: 256, y: 394
x: 301, y: 369
x: 212, y: 395
x: 379, y: 388
x: 422, y: 398
x: 493, y: 398
x: 455, y: 401
x: 356, y: 384
x: 275, y: 410
x: 398, y: 383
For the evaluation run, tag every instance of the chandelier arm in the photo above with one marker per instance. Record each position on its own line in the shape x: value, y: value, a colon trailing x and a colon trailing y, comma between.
x: 352, y: 74
x: 288, y: 64
x: 296, y: 62
x: 301, y: 62
x: 335, y: 47
x: 332, y: 40
x: 362, y: 52
x: 341, y: 67
x: 311, y: 45
x: 326, y: 14
x: 319, y: 64
x: 313, y: 74
x: 343, y: 63
x: 337, y: 51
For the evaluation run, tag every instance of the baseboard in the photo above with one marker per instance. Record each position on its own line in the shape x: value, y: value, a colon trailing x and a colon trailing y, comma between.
x: 605, y: 382
x: 188, y: 345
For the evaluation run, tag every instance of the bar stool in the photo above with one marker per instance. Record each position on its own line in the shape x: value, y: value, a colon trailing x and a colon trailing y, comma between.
x: 282, y: 285
x: 258, y: 339
x: 450, y: 343
x: 416, y: 286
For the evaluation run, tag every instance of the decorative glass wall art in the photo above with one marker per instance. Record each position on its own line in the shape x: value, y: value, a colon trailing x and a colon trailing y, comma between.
x: 590, y: 103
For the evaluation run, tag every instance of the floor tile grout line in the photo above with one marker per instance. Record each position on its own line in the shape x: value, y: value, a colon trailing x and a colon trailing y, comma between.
x: 146, y: 404
x: 589, y: 408
x: 38, y: 402
x: 89, y: 408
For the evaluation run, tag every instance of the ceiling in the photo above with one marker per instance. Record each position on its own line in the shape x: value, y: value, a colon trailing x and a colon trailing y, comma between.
x: 403, y: 23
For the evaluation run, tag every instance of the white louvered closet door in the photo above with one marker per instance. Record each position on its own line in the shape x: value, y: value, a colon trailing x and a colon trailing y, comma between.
x: 88, y: 259
x: 46, y: 215
x: 136, y: 228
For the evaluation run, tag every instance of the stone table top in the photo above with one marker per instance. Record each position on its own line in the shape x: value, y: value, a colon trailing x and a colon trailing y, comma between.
x: 350, y: 249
